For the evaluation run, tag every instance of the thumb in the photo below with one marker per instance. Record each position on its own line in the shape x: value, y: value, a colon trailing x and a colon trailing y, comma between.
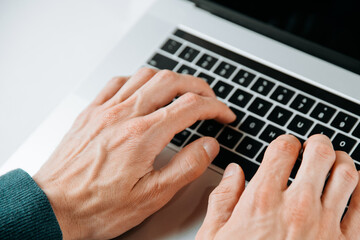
x: 222, y: 201
x: 188, y: 164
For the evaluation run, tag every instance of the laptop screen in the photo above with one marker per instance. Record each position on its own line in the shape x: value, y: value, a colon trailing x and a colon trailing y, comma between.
x: 327, y: 29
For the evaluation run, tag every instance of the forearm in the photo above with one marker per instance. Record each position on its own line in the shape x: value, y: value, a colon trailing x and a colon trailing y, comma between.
x: 25, y: 212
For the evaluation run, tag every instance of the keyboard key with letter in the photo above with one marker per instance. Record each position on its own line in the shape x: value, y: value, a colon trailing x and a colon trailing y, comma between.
x: 300, y: 125
x: 279, y: 115
x: 343, y: 143
x: 320, y: 129
x: 270, y: 133
x: 260, y: 107
x: 249, y: 147
x: 252, y: 125
x: 210, y: 128
x: 239, y: 116
x: 184, y: 69
x: 229, y: 137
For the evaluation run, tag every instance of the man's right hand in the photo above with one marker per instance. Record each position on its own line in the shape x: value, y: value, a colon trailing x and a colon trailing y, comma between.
x: 310, y: 208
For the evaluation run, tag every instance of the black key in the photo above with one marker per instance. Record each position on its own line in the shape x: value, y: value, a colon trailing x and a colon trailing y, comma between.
x: 356, y: 132
x: 295, y: 169
x: 343, y: 143
x: 195, y: 125
x: 210, y: 128
x: 252, y: 125
x: 240, y: 98
x: 280, y: 115
x: 239, y: 116
x: 322, y: 112
x: 184, y: 69
x: 344, y: 122
x: 270, y: 133
x: 180, y: 138
x: 300, y: 125
x: 356, y: 155
x: 243, y: 78
x: 206, y: 77
x: 171, y: 46
x: 302, y: 103
x: 189, y: 54
x: 206, y: 61
x: 225, y: 157
x: 260, y: 157
x: 225, y: 69
x: 222, y: 89
x: 263, y: 86
x: 229, y: 137
x: 161, y: 62
x: 249, y: 147
x: 282, y: 95
x: 193, y: 138
x: 322, y: 130
x: 260, y: 106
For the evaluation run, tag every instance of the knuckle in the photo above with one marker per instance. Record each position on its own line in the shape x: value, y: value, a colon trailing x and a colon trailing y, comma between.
x: 109, y: 116
x: 220, y: 194
x: 137, y: 127
x: 262, y: 199
x: 190, y: 167
x: 166, y: 74
x: 146, y: 71
x: 322, y: 150
x: 191, y: 98
x: 349, y: 174
x: 286, y: 144
x: 117, y: 80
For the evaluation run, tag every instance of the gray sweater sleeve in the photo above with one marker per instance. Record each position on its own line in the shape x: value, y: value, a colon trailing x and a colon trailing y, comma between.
x: 25, y: 211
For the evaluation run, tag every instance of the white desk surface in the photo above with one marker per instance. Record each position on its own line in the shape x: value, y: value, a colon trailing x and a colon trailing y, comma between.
x: 46, y: 49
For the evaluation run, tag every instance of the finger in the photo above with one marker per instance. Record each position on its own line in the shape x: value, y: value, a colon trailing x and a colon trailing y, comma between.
x: 134, y: 83
x: 318, y: 158
x: 351, y: 222
x: 222, y: 201
x: 342, y: 182
x: 184, y: 167
x: 279, y: 159
x: 170, y: 85
x: 184, y: 112
x: 110, y: 89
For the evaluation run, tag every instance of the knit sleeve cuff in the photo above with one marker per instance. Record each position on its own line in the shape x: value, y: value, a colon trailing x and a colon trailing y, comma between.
x: 25, y: 211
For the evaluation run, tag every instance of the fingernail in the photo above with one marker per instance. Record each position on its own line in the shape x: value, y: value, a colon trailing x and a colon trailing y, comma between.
x: 230, y: 170
x: 211, y: 147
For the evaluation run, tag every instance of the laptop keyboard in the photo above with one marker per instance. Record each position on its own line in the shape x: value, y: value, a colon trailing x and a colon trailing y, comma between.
x: 267, y: 103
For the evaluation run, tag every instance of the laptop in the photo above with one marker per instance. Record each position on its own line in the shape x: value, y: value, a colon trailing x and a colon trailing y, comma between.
x: 281, y: 68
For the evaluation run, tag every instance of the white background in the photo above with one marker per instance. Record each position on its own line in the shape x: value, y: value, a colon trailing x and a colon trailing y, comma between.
x: 47, y: 48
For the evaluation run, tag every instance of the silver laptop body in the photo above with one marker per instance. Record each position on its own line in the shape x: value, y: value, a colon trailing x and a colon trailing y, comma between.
x: 190, y: 26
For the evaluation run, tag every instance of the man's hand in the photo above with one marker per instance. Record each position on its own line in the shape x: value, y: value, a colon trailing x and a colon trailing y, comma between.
x: 310, y: 208
x: 100, y: 181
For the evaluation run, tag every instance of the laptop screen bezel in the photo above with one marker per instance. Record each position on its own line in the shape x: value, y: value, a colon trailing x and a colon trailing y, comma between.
x: 282, y: 36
